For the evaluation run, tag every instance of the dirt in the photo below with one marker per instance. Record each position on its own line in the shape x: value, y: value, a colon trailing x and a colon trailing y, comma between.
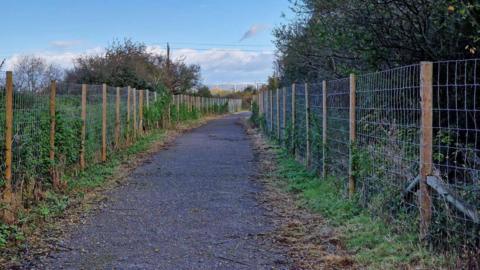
x: 206, y: 200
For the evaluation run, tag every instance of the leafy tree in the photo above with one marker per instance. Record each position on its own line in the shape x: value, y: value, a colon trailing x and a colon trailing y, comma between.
x: 330, y: 39
x: 204, y: 91
x: 129, y: 63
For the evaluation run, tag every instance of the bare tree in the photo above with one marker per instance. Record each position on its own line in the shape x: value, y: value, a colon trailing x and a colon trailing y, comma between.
x: 34, y: 73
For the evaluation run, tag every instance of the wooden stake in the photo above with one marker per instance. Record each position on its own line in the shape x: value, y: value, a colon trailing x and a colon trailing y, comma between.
x: 284, y: 115
x: 324, y: 130
x: 129, y: 93
x: 351, y: 178
x: 307, y: 126
x: 134, y: 99
x: 294, y: 151
x: 84, y: 126
x: 7, y: 192
x: 117, y: 118
x: 104, y: 122
x: 426, y: 88
x: 278, y: 112
x: 271, y: 110
x: 53, y: 90
x: 140, y: 110
x: 147, y: 98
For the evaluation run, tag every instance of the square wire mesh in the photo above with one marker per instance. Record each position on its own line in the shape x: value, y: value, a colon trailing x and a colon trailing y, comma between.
x: 338, y: 128
x: 456, y: 152
x: 300, y: 122
x: 315, y: 96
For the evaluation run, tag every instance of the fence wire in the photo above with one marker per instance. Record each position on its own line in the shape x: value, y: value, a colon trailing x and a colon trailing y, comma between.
x: 338, y: 119
x: 456, y: 151
x: 387, y: 142
x: 274, y: 100
x: 300, y: 128
x: 281, y: 101
x: 288, y: 118
x: 315, y: 96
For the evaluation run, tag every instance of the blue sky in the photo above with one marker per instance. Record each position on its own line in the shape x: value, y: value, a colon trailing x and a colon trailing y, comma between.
x: 205, y: 32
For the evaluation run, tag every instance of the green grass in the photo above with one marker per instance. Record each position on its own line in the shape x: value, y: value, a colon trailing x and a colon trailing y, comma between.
x: 372, y: 242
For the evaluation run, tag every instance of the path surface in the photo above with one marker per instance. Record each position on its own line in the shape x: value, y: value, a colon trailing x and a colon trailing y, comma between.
x: 191, y: 206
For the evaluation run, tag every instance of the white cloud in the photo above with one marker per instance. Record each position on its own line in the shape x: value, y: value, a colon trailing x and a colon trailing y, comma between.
x: 226, y: 66
x: 217, y: 65
x: 65, y: 44
x: 253, y: 31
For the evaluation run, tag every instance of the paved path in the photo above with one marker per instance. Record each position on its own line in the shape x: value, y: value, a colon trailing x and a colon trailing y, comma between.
x: 191, y: 206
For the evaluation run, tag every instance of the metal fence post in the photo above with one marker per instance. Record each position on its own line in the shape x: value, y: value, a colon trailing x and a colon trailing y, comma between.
x: 426, y: 88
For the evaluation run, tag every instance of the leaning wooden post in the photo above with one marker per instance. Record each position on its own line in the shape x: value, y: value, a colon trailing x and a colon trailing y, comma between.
x: 53, y: 92
x: 134, y: 107
x: 307, y: 126
x: 294, y: 151
x: 83, y: 132
x: 7, y: 191
x: 104, y: 122
x: 426, y: 91
x: 128, y: 130
x: 140, y: 110
x: 117, y: 118
x: 324, y: 129
x: 351, y: 177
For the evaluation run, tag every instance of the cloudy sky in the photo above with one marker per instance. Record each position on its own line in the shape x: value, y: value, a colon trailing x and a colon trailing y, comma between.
x: 230, y: 39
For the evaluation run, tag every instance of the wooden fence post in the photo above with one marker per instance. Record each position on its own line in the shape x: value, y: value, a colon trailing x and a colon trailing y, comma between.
x: 307, y: 126
x: 278, y: 112
x: 134, y: 107
x: 351, y: 177
x: 53, y: 92
x: 271, y: 110
x: 104, y: 122
x: 140, y: 110
x: 84, y: 126
x: 7, y: 191
x: 284, y: 116
x: 324, y: 129
x: 426, y: 88
x: 294, y: 152
x: 147, y: 98
x: 128, y: 130
x: 117, y: 118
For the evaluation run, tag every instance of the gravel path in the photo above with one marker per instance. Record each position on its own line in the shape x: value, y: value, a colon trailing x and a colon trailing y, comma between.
x: 191, y: 206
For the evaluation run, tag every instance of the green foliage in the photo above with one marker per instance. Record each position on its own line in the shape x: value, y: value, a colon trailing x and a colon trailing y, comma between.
x: 330, y: 39
x: 255, y: 117
x: 374, y: 244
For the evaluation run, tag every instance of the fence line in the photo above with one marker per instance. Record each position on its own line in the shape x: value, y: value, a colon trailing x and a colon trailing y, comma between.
x: 66, y: 127
x: 404, y: 141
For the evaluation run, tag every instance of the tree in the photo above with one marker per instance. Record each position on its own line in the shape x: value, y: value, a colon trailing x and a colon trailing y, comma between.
x: 204, y: 91
x: 34, y: 73
x: 130, y: 64
x: 329, y: 39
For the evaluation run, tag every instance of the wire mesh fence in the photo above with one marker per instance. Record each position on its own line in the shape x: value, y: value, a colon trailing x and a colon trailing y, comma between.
x: 379, y: 137
x: 338, y: 144
x: 315, y: 93
x: 300, y: 131
x: 62, y: 127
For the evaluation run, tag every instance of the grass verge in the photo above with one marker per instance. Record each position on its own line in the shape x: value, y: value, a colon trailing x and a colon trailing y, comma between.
x: 374, y: 244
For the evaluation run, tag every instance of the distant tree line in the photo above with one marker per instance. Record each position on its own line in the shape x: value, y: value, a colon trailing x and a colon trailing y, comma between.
x: 125, y: 63
x: 329, y: 39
